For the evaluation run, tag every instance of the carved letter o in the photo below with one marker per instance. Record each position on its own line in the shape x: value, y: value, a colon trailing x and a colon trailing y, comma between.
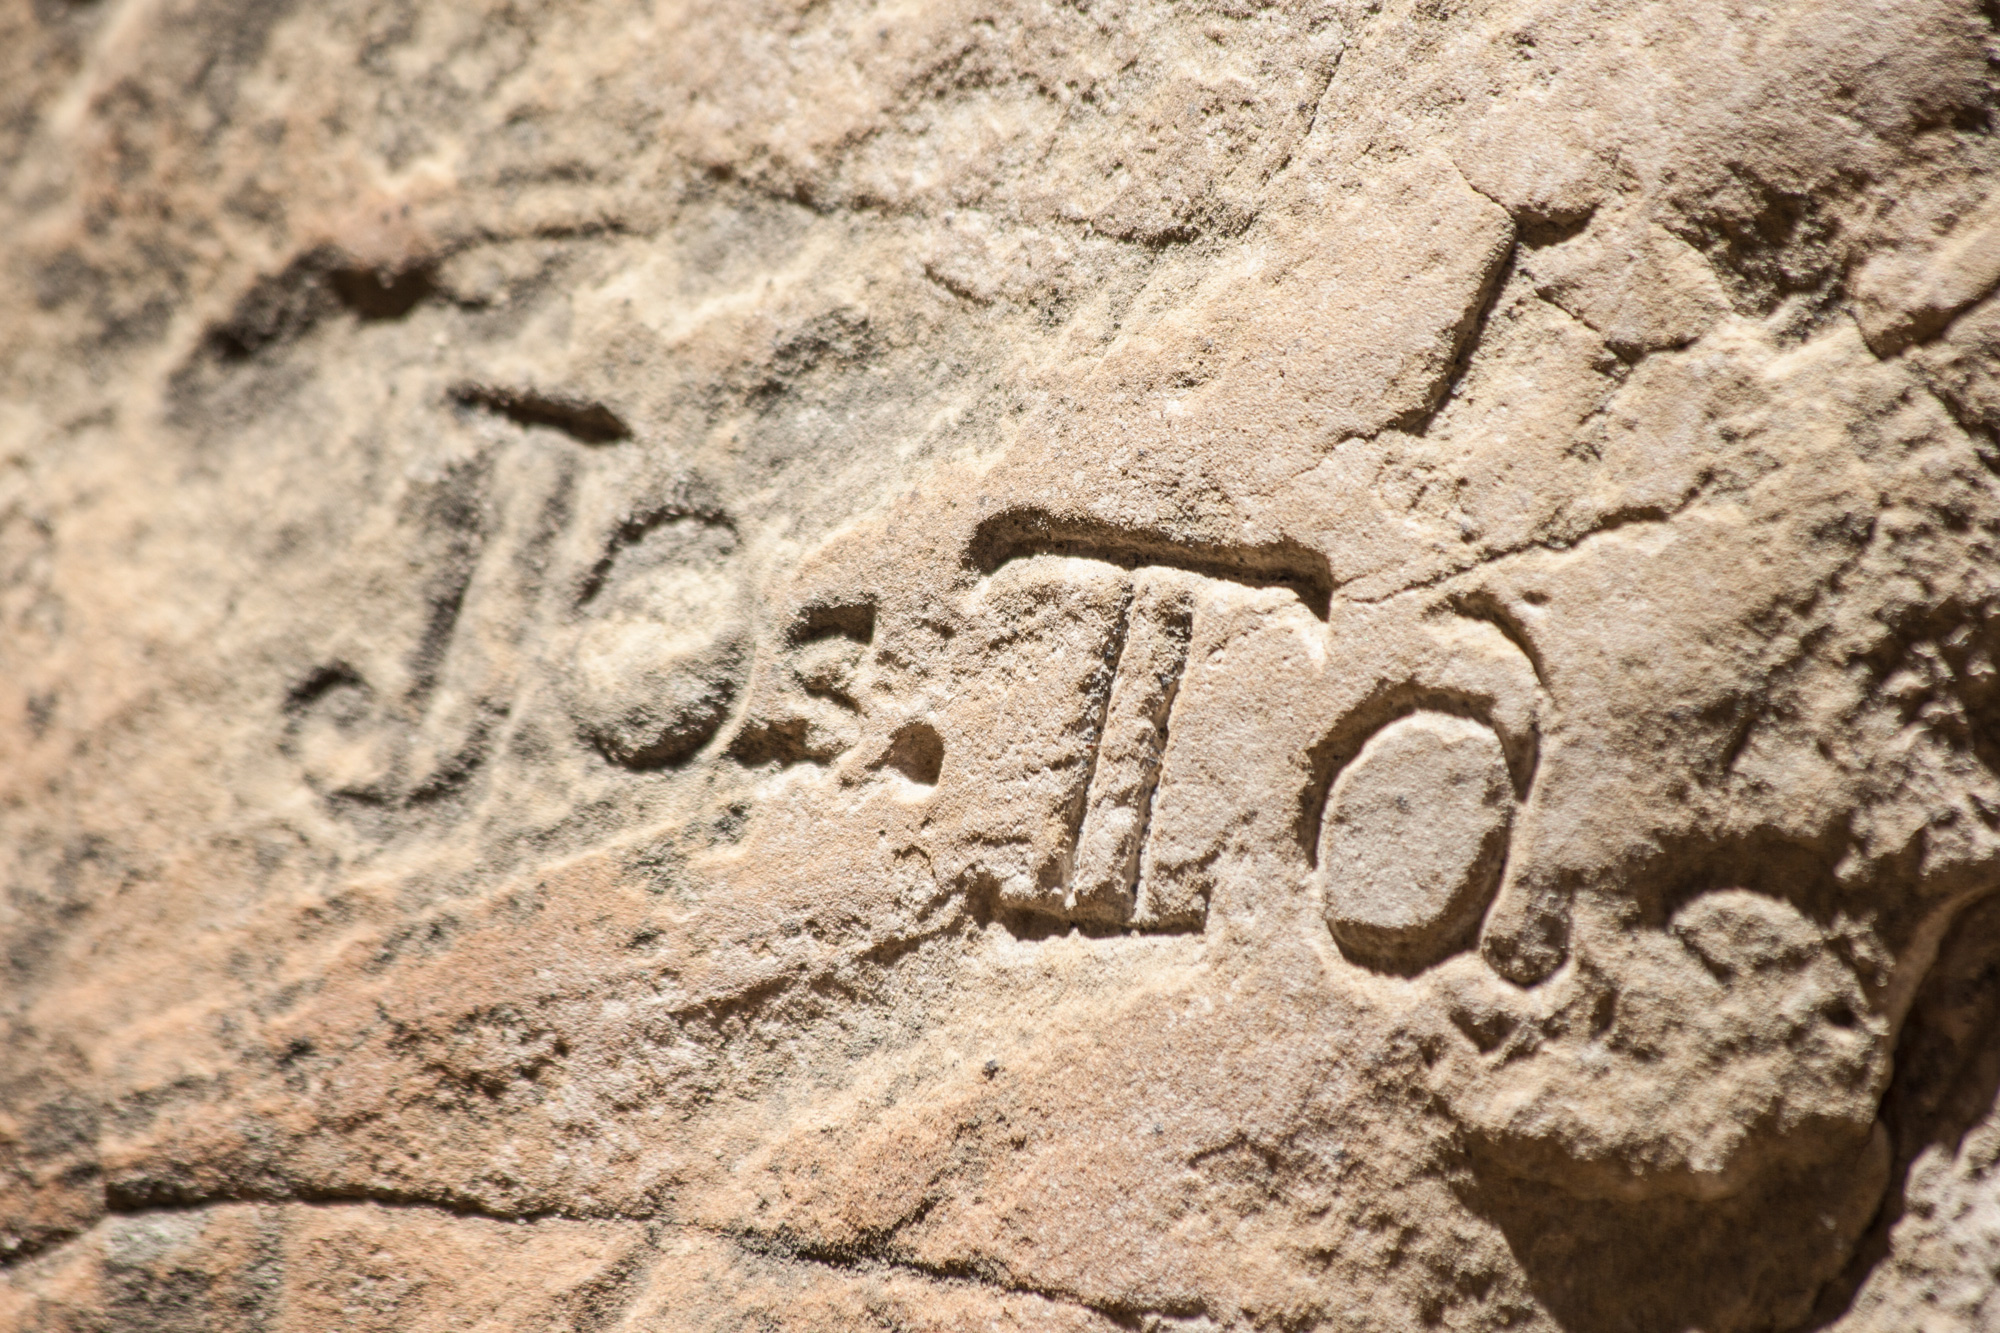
x: 1414, y: 834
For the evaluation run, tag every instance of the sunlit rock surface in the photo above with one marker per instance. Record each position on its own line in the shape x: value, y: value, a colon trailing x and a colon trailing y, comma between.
x: 1088, y: 666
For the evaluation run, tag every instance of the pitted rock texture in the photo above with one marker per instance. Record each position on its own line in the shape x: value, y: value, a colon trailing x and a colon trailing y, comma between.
x: 1111, y: 665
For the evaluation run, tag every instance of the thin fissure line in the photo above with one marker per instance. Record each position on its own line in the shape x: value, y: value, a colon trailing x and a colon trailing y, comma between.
x: 870, y: 1257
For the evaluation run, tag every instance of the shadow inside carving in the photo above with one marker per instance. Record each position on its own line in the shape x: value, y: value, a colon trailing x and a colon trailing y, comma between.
x: 783, y: 741
x: 283, y: 306
x: 382, y: 293
x: 387, y: 759
x: 1338, y: 748
x: 582, y: 419
x: 1668, y: 1264
x: 1090, y: 676
x: 336, y: 684
x: 1947, y: 1081
x: 1405, y: 819
x: 663, y: 535
x: 986, y: 907
x: 331, y: 710
x: 851, y: 619
x: 663, y: 647
x: 821, y: 657
x: 917, y: 752
x: 1790, y: 1231
x: 1019, y: 533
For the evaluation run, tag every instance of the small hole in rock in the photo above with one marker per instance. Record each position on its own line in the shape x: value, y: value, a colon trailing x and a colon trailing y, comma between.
x: 917, y: 752
x: 373, y: 293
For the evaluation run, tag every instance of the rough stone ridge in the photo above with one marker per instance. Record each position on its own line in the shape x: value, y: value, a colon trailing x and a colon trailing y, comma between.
x: 985, y: 664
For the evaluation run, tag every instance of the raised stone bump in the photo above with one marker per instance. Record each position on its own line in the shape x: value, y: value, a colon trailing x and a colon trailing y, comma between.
x: 1413, y: 837
x: 1104, y: 879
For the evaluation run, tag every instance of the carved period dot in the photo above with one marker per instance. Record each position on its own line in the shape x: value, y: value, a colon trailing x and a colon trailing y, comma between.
x: 1413, y: 838
x: 917, y: 752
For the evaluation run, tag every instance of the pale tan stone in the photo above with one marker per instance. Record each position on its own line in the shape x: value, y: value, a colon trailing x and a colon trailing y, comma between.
x: 1127, y: 665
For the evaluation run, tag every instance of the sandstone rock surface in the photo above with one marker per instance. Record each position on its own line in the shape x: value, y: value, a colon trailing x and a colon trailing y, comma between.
x: 845, y: 664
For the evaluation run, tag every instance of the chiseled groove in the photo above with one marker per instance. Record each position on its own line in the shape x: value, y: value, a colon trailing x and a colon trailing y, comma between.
x: 1157, y: 639
x: 1114, y: 657
x: 1017, y: 534
x: 584, y: 420
x: 1136, y: 866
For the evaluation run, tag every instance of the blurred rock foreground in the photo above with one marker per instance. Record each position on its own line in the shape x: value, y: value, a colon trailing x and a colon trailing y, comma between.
x: 999, y: 664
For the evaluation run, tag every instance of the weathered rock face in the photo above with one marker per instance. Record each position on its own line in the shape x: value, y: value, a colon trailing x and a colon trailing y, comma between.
x: 842, y: 665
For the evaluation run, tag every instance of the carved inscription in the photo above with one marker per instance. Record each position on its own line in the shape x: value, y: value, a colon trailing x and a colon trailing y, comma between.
x: 1413, y: 839
x: 663, y: 646
x: 1051, y: 630
x: 1108, y: 768
x: 1105, y: 868
x: 1068, y: 779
